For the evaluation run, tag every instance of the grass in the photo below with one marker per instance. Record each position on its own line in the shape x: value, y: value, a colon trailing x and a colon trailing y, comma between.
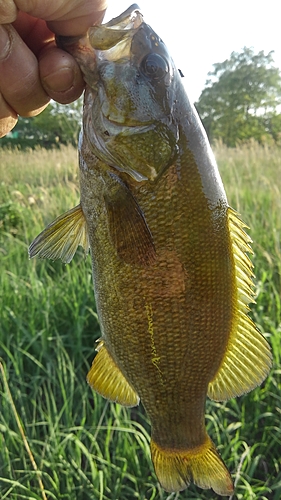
x: 80, y: 446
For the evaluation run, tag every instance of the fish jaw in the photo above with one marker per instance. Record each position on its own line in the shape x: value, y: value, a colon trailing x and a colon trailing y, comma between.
x: 82, y: 48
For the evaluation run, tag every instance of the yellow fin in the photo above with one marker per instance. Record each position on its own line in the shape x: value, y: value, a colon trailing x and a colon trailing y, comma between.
x: 176, y: 469
x: 248, y: 357
x: 106, y: 378
x: 60, y: 239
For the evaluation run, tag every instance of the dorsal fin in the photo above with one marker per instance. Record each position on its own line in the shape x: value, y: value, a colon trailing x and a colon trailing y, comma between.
x: 248, y: 358
x: 60, y: 239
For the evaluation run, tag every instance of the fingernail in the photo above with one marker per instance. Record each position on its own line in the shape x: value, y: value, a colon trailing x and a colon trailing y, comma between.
x: 5, y: 42
x: 60, y: 81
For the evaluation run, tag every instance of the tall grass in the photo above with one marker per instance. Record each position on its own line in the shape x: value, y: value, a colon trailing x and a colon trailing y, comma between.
x: 82, y: 447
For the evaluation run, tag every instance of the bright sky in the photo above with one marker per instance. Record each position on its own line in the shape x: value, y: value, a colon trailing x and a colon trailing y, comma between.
x: 199, y: 33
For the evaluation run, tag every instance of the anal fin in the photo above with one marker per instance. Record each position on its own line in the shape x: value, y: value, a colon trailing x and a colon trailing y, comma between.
x: 107, y: 379
x: 60, y: 239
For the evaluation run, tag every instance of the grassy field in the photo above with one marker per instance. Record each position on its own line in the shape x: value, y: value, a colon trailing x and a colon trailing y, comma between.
x: 58, y: 439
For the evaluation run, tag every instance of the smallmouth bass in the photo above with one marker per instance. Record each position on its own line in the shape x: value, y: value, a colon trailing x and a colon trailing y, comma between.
x: 171, y: 271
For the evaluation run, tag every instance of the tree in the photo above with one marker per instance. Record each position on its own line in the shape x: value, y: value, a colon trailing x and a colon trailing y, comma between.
x: 57, y: 124
x: 241, y: 98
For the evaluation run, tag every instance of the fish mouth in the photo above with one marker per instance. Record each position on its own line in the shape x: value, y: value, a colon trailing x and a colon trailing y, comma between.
x: 127, y: 17
x: 114, y: 35
x: 112, y: 126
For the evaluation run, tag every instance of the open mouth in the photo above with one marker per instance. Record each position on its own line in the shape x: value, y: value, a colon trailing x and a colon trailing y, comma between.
x: 109, y: 35
x: 113, y: 126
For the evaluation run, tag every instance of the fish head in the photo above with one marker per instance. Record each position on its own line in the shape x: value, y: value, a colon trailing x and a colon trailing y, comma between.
x: 130, y: 95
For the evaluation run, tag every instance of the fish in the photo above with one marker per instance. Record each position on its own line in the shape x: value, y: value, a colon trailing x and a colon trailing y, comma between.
x: 172, y: 275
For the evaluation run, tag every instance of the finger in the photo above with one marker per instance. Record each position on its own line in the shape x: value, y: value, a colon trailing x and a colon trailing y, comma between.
x: 20, y: 83
x: 60, y: 75
x: 78, y: 25
x: 8, y: 11
x: 34, y: 32
x: 65, y: 17
x: 8, y: 117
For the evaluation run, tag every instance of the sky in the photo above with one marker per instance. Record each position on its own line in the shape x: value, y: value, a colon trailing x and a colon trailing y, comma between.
x: 200, y: 33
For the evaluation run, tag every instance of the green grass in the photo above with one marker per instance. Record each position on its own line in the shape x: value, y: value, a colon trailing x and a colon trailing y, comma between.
x: 85, y: 448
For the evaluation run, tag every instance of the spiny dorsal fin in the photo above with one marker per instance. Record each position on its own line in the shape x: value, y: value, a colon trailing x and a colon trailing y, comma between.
x: 248, y: 358
x: 107, y: 379
x: 60, y: 239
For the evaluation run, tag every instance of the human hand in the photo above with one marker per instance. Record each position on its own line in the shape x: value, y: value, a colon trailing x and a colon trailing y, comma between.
x: 32, y: 69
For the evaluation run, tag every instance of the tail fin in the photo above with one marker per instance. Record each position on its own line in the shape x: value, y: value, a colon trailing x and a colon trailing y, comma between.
x: 202, y: 465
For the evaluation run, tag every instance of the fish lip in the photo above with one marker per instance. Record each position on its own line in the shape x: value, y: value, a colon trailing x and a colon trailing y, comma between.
x: 120, y: 21
x: 118, y: 125
x: 122, y: 28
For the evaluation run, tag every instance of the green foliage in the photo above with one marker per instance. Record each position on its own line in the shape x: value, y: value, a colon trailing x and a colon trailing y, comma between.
x: 10, y: 217
x: 58, y: 124
x: 85, y: 448
x: 241, y: 98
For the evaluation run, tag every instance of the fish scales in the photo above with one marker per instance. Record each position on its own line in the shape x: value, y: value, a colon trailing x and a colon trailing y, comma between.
x: 171, y: 274
x: 138, y: 288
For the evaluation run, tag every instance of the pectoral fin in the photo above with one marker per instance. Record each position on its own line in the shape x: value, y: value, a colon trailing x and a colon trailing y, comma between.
x: 127, y: 225
x: 60, y: 239
x: 107, y: 379
x: 247, y: 360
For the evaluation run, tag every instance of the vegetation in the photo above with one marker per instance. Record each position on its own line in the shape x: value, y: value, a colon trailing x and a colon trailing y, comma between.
x: 57, y: 125
x: 80, y: 446
x: 241, y: 98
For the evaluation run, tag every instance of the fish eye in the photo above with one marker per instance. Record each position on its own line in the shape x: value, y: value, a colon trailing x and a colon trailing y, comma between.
x: 154, y: 66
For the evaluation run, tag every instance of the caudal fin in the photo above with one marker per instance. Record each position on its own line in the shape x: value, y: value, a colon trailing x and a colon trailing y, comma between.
x: 202, y: 465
